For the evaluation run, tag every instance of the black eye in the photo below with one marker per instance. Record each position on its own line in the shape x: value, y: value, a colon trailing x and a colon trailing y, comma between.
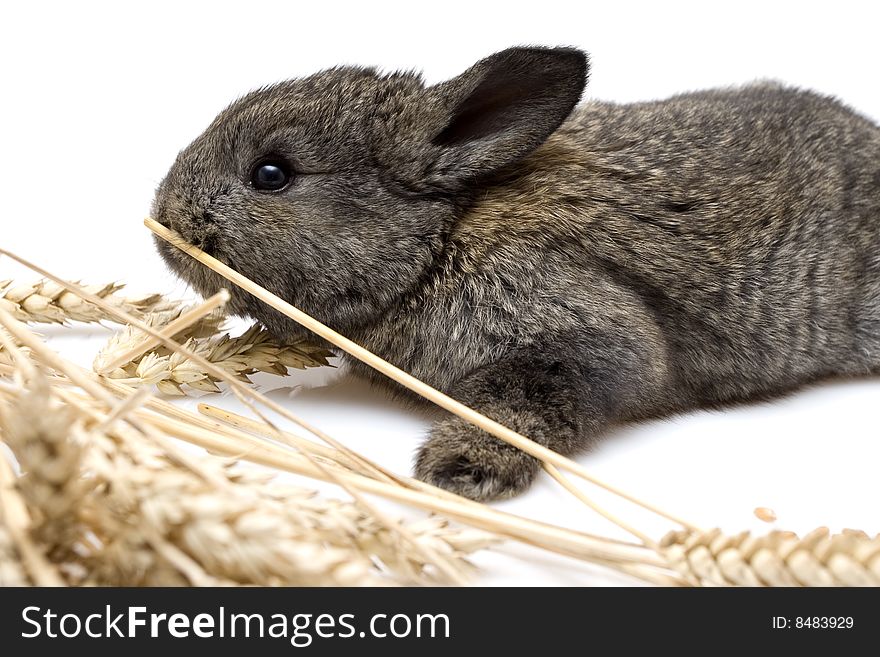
x: 270, y: 175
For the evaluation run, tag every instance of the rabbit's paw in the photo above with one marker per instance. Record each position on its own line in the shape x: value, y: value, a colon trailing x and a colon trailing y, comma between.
x: 466, y: 460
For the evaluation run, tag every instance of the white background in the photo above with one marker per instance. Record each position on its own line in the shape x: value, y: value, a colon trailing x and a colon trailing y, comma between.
x: 98, y: 98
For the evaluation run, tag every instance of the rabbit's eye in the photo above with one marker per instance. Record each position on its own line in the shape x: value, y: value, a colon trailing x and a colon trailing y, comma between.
x: 270, y: 175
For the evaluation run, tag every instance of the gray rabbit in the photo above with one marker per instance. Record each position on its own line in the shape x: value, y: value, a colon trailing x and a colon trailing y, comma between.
x: 559, y: 269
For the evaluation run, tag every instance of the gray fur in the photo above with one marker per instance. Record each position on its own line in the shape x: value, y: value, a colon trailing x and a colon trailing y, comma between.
x: 635, y: 261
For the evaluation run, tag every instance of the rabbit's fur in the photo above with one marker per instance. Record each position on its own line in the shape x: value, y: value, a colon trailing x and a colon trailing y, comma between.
x: 558, y: 270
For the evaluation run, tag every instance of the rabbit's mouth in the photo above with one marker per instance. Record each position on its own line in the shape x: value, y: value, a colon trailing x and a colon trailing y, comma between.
x: 202, y: 233
x: 189, y: 269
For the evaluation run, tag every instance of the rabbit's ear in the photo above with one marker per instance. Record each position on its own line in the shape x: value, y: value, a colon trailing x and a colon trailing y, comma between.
x: 501, y: 109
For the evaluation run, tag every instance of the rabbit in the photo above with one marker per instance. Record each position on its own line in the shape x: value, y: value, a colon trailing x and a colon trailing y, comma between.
x: 560, y: 267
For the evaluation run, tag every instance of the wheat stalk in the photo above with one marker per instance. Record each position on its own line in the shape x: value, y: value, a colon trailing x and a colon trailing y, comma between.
x: 710, y: 558
x: 50, y: 303
x: 779, y: 558
x: 543, y: 454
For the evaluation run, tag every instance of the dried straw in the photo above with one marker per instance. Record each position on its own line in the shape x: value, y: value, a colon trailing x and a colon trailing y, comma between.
x: 551, y: 460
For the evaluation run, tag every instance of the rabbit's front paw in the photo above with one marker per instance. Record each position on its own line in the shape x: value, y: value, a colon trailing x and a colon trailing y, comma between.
x: 468, y: 461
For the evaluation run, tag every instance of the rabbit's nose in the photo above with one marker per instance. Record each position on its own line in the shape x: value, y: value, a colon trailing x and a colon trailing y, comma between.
x: 170, y: 218
x: 164, y: 209
x: 197, y: 227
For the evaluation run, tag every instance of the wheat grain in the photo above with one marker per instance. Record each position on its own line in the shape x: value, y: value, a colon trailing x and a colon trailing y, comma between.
x: 765, y: 514
x: 15, y: 518
x: 237, y: 535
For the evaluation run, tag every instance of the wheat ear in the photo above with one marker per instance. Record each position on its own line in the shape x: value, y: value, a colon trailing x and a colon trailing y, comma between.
x: 49, y: 303
x: 184, y: 321
x: 779, y: 558
x: 253, y: 351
